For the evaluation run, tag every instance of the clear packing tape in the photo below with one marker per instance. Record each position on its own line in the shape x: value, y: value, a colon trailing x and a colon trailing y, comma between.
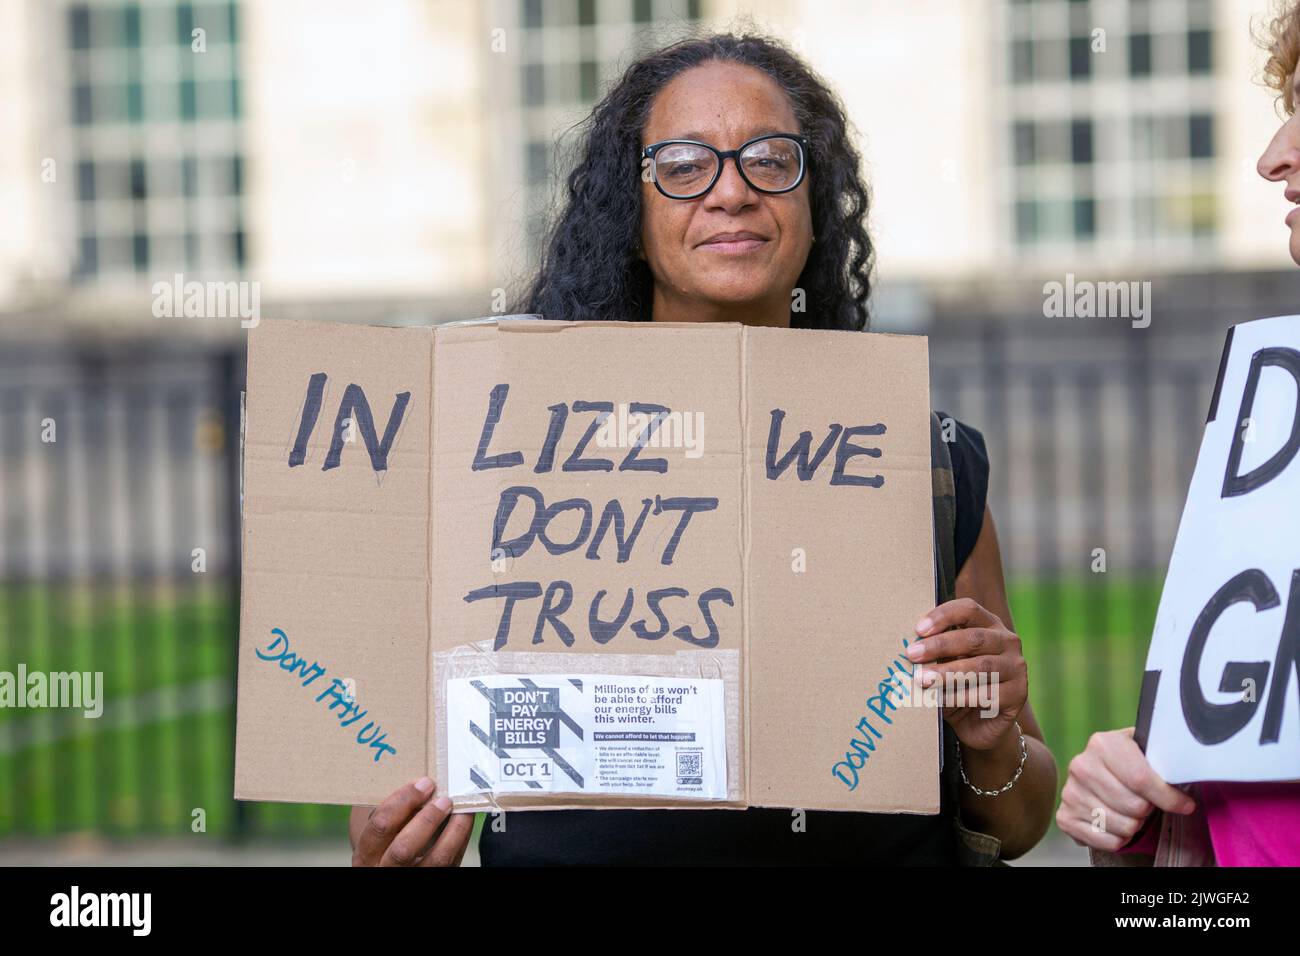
x: 544, y: 730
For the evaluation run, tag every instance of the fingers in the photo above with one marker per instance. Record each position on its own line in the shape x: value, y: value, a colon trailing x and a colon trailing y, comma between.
x: 409, y: 844
x: 1128, y: 765
x: 991, y: 685
x: 965, y: 684
x: 1004, y: 666
x: 387, y: 820
x: 963, y: 612
x: 1111, y: 791
x: 1085, y: 818
x: 1106, y: 790
x: 449, y: 848
x: 967, y: 642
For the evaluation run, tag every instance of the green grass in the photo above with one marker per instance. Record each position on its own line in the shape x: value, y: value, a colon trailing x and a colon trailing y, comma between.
x: 149, y: 773
x: 141, y: 639
x: 1085, y: 641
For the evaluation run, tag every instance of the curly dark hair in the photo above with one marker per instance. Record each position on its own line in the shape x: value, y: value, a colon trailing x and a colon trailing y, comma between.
x: 590, y: 268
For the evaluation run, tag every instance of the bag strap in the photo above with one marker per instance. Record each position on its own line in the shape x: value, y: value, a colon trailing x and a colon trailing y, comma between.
x: 973, y: 848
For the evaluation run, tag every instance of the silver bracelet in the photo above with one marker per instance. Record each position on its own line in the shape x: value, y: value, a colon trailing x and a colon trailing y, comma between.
x: 1024, y: 753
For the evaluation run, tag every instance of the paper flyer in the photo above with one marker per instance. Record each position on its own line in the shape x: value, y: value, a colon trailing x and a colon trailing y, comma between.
x: 587, y: 733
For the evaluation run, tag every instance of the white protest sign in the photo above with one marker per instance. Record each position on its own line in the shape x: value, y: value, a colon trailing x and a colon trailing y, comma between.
x: 1221, y: 696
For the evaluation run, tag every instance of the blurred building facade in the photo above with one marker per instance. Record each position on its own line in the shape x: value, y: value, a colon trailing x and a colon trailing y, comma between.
x: 396, y: 162
x: 399, y: 162
x: 399, y: 166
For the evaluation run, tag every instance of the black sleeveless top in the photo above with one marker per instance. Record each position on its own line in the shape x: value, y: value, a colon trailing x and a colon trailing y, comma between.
x: 758, y: 836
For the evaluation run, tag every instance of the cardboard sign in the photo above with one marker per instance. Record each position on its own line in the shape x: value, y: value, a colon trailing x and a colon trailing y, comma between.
x: 1221, y: 695
x: 561, y: 564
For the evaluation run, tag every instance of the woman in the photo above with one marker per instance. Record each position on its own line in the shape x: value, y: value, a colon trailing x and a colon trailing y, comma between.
x: 716, y: 182
x: 1113, y: 802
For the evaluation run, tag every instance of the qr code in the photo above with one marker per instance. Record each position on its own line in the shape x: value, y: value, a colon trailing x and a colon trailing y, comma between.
x: 690, y: 767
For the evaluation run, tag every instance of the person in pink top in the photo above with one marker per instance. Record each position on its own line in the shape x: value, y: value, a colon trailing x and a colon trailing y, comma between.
x: 1113, y: 802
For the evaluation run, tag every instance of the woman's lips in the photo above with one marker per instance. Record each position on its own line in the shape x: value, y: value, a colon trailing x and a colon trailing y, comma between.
x: 734, y: 246
x: 1291, y: 214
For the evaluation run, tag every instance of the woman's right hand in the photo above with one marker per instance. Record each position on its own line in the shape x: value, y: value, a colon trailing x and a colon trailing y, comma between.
x: 1111, y: 790
x: 410, y: 828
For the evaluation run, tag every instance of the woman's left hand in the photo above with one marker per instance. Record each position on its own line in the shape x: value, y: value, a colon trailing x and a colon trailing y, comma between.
x: 963, y: 638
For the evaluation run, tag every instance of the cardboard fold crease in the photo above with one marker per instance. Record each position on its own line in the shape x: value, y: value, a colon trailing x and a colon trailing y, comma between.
x: 361, y: 575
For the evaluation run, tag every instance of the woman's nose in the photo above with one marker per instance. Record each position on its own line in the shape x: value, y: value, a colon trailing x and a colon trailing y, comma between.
x: 1271, y: 168
x: 1280, y: 159
x: 731, y: 188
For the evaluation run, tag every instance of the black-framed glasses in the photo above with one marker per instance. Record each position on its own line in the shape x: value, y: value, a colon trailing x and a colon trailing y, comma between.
x: 687, y: 168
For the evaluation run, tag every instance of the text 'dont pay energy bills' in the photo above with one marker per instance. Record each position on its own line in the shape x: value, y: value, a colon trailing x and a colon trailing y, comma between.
x: 587, y: 733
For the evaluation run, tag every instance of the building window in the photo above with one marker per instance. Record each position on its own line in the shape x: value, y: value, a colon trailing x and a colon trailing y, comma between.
x: 587, y: 80
x: 85, y: 181
x: 1081, y: 142
x: 140, y: 251
x: 79, y: 27
x: 1080, y: 58
x: 538, y: 162
x: 1026, y: 221
x: 1119, y: 170
x: 1139, y: 54
x: 1085, y: 218
x: 534, y: 84
x: 1198, y: 51
x: 1024, y: 143
x: 1022, y: 61
x: 1200, y: 135
x: 137, y: 179
x: 87, y: 255
x: 131, y: 26
x: 139, y: 188
x: 81, y: 104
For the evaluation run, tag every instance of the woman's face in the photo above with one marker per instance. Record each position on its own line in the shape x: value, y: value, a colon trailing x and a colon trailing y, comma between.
x: 696, y: 275
x: 1281, y: 163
